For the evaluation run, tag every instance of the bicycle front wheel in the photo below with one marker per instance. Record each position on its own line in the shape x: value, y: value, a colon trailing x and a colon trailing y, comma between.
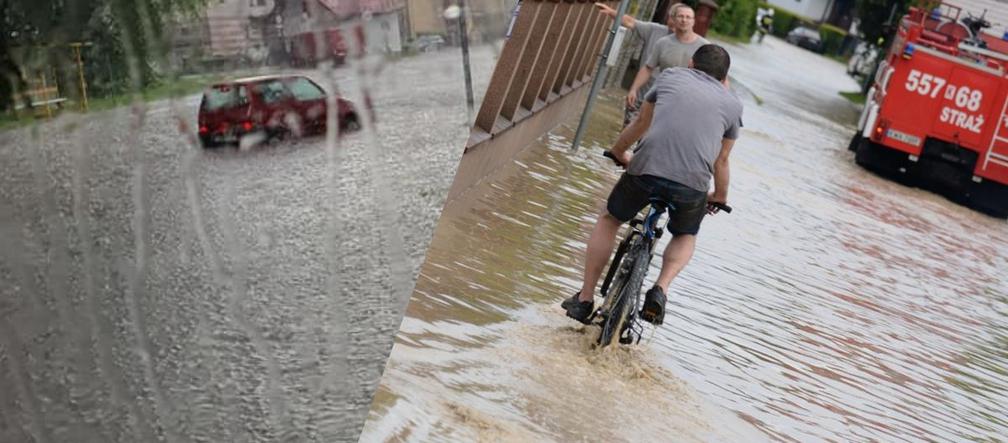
x: 626, y: 296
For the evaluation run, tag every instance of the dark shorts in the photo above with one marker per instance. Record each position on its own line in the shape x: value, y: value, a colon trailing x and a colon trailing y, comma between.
x: 632, y: 193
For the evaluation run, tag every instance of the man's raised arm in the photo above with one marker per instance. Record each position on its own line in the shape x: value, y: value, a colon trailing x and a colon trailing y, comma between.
x: 628, y: 20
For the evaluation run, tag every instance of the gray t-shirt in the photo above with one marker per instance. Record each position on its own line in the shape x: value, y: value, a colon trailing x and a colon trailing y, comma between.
x: 669, y: 52
x: 650, y: 32
x: 693, y: 113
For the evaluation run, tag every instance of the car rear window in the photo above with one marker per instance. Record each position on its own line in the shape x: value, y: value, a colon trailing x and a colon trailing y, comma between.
x: 272, y: 91
x: 224, y: 97
x: 304, y: 89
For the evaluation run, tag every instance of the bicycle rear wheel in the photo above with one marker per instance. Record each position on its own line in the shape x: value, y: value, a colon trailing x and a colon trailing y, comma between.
x: 625, y: 297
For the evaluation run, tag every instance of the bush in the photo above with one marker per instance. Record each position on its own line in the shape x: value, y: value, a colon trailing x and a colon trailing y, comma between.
x: 784, y: 22
x: 832, y: 38
x: 735, y: 18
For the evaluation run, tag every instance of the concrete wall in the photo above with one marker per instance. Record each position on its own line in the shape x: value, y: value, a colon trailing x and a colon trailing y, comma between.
x: 383, y: 33
x: 812, y: 9
x: 231, y: 31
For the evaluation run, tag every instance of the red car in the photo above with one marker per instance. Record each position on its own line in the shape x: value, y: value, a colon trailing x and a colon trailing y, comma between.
x: 271, y: 106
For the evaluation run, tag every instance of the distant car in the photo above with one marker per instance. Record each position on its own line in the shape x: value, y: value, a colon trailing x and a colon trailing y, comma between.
x: 270, y: 106
x: 804, y: 37
x: 428, y: 43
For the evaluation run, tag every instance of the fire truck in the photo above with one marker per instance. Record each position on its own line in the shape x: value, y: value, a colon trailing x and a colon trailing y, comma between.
x: 935, y: 116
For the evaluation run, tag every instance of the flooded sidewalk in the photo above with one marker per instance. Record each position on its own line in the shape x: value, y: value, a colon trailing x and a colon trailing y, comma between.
x: 831, y: 305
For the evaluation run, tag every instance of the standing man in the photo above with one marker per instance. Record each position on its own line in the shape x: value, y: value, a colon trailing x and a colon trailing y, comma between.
x: 671, y: 51
x: 689, y: 120
x: 649, y: 32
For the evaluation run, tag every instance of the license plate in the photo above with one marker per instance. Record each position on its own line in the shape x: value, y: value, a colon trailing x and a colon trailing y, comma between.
x: 903, y: 137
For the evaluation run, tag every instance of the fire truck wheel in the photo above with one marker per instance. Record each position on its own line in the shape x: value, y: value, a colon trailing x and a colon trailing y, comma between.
x: 990, y: 198
x: 855, y: 141
x: 865, y: 154
x: 882, y: 161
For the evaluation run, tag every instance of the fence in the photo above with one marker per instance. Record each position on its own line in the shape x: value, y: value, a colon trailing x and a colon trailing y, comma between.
x: 539, y: 80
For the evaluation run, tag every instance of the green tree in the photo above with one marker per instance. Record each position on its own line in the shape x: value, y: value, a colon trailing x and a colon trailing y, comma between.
x: 126, y: 37
x: 735, y: 17
x: 879, y: 18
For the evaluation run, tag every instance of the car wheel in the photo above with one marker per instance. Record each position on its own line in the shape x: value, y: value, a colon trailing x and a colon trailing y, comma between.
x: 207, y: 143
x: 351, y: 124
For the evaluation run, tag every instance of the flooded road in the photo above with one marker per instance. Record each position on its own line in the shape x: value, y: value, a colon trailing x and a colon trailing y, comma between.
x: 831, y: 305
x: 151, y: 290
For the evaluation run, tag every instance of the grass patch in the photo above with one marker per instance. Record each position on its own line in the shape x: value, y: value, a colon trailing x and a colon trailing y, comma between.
x: 855, y: 97
x: 838, y: 58
x: 179, y: 87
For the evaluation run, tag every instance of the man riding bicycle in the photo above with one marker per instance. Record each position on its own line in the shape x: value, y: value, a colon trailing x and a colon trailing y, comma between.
x: 689, y: 120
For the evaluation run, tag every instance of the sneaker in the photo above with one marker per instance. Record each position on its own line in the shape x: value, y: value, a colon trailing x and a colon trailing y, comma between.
x: 654, y: 306
x: 577, y: 309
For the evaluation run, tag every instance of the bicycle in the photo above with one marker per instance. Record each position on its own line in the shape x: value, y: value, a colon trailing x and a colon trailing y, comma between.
x: 618, y: 315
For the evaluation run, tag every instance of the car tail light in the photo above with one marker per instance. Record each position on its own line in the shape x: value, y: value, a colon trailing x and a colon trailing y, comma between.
x: 247, y: 126
x: 203, y: 129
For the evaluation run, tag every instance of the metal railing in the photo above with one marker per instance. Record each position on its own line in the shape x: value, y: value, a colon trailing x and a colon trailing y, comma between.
x: 550, y: 54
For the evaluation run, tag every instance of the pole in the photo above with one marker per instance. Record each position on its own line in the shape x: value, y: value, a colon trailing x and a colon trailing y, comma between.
x: 599, y: 74
x: 80, y: 73
x: 465, y: 58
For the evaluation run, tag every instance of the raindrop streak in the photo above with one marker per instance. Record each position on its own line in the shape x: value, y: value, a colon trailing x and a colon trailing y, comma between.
x: 100, y: 336
x: 137, y: 291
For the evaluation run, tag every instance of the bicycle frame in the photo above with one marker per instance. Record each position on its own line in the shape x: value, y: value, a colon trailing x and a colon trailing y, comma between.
x: 655, y: 211
x: 646, y: 232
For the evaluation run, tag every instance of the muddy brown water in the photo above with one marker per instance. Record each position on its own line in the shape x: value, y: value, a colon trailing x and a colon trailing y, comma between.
x: 831, y: 305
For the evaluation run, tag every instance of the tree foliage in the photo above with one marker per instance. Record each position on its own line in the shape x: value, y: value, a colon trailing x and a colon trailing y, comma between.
x: 125, y: 38
x: 880, y: 17
x: 735, y: 17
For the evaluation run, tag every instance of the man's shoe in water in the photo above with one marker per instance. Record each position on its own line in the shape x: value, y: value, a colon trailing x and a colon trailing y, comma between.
x: 654, y: 306
x: 577, y: 309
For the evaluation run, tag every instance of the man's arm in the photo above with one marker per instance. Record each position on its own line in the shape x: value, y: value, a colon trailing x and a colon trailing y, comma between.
x: 633, y: 132
x: 646, y: 70
x: 628, y: 20
x: 721, y: 173
x: 643, y: 74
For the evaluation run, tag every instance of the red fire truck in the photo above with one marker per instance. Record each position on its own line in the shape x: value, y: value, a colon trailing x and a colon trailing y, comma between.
x: 936, y: 114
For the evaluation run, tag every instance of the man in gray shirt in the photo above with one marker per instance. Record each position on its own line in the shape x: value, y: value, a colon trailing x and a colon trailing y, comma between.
x: 651, y: 33
x: 671, y: 51
x: 689, y: 121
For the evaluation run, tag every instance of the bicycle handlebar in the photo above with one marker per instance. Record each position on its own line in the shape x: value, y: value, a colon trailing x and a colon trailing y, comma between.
x: 612, y: 157
x: 719, y: 205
